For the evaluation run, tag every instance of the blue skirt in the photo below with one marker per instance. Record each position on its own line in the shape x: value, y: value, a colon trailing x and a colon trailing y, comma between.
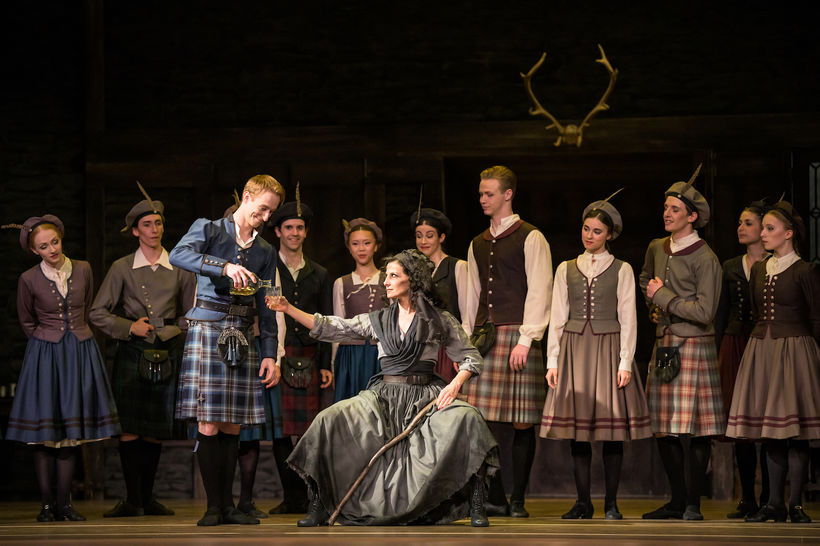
x: 353, y: 368
x: 63, y: 393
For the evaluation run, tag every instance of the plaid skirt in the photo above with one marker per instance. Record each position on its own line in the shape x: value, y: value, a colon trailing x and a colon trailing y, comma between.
x: 692, y: 402
x: 211, y: 391
x: 504, y: 395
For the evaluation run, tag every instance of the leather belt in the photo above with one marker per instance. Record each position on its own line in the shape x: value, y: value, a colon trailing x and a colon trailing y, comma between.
x: 408, y: 379
x: 227, y: 308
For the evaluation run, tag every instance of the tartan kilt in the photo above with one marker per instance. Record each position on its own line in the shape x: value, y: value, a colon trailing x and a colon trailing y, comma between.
x: 208, y: 389
x: 691, y: 403
x: 145, y: 408
x: 504, y: 395
x: 300, y: 406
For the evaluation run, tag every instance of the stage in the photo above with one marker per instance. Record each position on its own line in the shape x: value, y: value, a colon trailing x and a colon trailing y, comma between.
x: 18, y: 526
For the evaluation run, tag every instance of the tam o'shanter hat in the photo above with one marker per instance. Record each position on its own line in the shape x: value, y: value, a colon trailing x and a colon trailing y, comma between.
x: 609, y: 209
x: 356, y: 222
x: 434, y: 217
x: 29, y: 225
x: 292, y: 210
x: 143, y: 208
x: 792, y: 216
x: 686, y: 192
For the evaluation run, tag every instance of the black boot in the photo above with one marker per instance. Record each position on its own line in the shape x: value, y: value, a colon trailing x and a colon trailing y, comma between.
x: 581, y: 510
x: 478, y: 515
x: 317, y: 515
x: 768, y: 512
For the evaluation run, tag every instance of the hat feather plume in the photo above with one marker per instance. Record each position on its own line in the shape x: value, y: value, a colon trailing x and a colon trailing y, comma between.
x: 418, y: 211
x: 613, y: 195
x: 298, y: 200
x: 145, y: 193
x: 236, y: 198
x: 694, y: 175
x: 12, y: 226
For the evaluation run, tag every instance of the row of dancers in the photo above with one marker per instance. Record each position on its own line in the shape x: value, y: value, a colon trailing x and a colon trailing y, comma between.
x: 382, y: 338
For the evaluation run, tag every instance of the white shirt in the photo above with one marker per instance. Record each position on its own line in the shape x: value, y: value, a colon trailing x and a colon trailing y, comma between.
x: 141, y: 261
x: 58, y: 276
x: 243, y: 244
x: 683, y: 242
x: 592, y: 265
x: 338, y: 291
x: 538, y: 268
x: 776, y: 266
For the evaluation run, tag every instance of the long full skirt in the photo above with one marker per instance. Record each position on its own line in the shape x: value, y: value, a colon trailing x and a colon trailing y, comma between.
x: 424, y: 479
x: 777, y: 391
x: 587, y: 404
x: 353, y: 367
x: 63, y: 394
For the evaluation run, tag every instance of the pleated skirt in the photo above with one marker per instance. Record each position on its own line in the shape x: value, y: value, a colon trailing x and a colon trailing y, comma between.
x: 353, y: 368
x: 63, y: 394
x: 586, y: 404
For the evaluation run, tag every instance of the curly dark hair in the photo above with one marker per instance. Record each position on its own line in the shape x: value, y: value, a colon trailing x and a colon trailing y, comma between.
x: 418, y: 267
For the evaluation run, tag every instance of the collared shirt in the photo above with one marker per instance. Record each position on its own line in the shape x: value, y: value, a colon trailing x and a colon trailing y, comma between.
x: 243, y: 244
x: 141, y: 261
x: 592, y: 265
x: 683, y: 242
x: 58, y: 276
x: 538, y: 267
x: 776, y: 266
x: 294, y: 271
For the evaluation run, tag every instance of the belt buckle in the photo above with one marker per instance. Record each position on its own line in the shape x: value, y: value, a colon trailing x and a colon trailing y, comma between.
x: 157, y: 323
x: 237, y: 310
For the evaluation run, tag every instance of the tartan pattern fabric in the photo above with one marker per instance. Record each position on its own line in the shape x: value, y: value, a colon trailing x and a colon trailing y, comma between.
x: 208, y: 389
x: 692, y: 402
x: 504, y: 395
x: 300, y: 406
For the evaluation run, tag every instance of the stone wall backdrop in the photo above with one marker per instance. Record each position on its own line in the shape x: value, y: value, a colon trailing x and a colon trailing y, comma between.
x: 365, y: 103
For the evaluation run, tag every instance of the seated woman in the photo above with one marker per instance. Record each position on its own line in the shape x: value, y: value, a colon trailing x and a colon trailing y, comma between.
x: 438, y: 473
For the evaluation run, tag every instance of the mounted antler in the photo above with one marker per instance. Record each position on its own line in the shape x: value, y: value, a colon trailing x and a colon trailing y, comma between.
x: 571, y: 134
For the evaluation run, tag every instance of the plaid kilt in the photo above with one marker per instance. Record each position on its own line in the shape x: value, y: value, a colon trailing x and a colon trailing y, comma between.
x: 506, y: 396
x: 300, y: 406
x: 208, y: 389
x: 692, y: 402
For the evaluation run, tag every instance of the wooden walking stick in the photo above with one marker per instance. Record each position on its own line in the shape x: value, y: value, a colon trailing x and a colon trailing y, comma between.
x: 419, y: 416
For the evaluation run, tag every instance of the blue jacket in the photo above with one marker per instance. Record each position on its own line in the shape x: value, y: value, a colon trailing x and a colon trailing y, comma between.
x: 204, y: 250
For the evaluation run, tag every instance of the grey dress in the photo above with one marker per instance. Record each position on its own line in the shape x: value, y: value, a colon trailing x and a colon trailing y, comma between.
x: 425, y: 478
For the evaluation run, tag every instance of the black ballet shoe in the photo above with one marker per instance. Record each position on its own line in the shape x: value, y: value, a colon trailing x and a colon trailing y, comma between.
x: 692, y: 513
x: 478, y: 514
x: 580, y: 510
x: 124, y: 509
x: 316, y: 516
x: 155, y: 508
x: 287, y: 507
x: 250, y: 509
x: 768, y: 512
x: 744, y: 508
x: 797, y: 515
x: 46, y: 513
x: 517, y: 510
x: 233, y: 516
x: 212, y: 517
x: 611, y: 512
x: 67, y: 512
x: 667, y: 511
x: 497, y: 510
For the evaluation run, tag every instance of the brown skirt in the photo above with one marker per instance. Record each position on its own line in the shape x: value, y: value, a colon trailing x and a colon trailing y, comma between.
x: 587, y: 404
x: 731, y: 352
x: 777, y: 391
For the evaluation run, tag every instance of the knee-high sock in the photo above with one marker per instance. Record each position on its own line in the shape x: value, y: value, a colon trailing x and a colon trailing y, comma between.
x: 293, y: 487
x: 776, y: 458
x: 66, y: 459
x: 230, y: 452
x: 523, y: 452
x: 151, y: 452
x: 581, y: 461
x: 209, y: 455
x: 700, y: 449
x: 131, y: 461
x: 764, y: 475
x: 671, y: 451
x: 45, y: 459
x: 248, y: 461
x: 613, y: 453
x: 746, y: 456
x: 798, y: 470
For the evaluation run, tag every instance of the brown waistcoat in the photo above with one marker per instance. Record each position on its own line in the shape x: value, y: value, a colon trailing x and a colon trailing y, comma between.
x: 593, y: 301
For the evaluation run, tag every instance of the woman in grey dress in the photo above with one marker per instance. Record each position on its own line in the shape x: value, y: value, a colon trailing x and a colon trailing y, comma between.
x: 437, y: 475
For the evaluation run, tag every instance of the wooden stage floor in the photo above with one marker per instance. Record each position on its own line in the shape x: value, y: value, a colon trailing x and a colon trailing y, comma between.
x: 18, y: 526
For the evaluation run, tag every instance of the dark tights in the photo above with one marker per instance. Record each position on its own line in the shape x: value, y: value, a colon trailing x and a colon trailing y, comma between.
x: 248, y: 461
x: 671, y: 451
x: 613, y: 455
x: 746, y: 455
x: 523, y: 453
x: 784, y: 456
x: 46, y: 461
